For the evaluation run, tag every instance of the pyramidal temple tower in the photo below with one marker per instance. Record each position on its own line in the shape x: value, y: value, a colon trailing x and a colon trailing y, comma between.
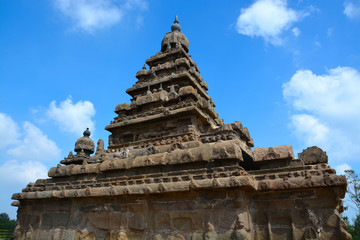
x: 174, y: 170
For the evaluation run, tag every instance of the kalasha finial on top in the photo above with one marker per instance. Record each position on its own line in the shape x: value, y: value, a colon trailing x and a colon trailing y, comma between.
x: 175, y: 38
x: 87, y: 133
x: 176, y: 26
x: 85, y: 144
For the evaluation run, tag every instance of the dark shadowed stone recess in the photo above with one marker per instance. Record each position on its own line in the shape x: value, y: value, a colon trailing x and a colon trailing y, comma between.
x: 174, y: 170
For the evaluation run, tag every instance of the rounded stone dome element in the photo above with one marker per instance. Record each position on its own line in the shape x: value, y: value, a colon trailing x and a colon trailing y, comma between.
x: 175, y: 38
x: 176, y: 26
x: 122, y: 106
x: 87, y: 133
x: 85, y: 143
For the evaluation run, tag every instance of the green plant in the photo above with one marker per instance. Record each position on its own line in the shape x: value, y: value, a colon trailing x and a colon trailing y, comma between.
x: 354, y: 195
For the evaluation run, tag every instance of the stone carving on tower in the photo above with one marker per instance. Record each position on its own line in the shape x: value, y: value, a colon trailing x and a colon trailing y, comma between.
x: 174, y: 170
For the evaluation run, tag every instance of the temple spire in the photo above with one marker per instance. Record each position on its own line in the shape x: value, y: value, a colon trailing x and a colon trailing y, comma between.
x: 176, y: 26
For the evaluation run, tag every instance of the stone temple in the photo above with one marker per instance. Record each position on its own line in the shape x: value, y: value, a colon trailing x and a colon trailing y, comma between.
x: 173, y: 170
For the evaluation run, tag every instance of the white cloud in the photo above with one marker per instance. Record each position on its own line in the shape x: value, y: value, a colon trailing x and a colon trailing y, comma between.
x: 9, y: 131
x: 335, y: 94
x: 14, y: 176
x: 24, y: 148
x: 16, y: 172
x: 296, y: 31
x: 72, y: 118
x: 28, y: 143
x: 34, y: 146
x: 309, y: 129
x: 267, y: 19
x: 340, y: 169
x: 352, y: 9
x: 90, y: 15
x: 327, y: 109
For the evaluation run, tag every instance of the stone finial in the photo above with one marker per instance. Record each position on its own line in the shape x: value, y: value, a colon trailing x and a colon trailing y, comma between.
x: 87, y: 133
x: 144, y: 67
x: 85, y: 144
x: 176, y: 26
x: 174, y: 39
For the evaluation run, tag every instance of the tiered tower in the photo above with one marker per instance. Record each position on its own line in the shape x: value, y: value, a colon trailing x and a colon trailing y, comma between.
x: 170, y: 104
x: 174, y: 170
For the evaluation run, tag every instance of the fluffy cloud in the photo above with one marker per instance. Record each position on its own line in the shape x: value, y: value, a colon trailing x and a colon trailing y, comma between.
x: 35, y: 145
x: 72, y: 118
x: 90, y: 15
x: 14, y: 176
x: 327, y: 110
x: 9, y: 131
x: 352, y: 9
x: 24, y: 150
x: 309, y: 129
x: 335, y: 94
x: 21, y: 173
x: 340, y: 169
x: 267, y: 19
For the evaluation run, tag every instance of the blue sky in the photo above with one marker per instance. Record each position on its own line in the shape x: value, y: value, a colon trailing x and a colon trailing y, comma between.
x: 289, y: 71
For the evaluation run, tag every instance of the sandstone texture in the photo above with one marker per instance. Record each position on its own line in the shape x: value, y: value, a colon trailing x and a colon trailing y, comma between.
x: 174, y: 170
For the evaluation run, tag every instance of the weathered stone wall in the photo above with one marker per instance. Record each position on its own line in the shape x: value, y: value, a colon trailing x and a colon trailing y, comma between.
x: 198, y: 214
x: 306, y: 214
x: 140, y: 217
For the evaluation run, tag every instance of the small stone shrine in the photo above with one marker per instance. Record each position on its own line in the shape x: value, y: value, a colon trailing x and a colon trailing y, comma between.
x: 173, y: 170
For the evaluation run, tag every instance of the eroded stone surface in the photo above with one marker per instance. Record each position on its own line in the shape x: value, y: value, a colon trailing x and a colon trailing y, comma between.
x: 173, y: 170
x: 273, y: 153
x: 313, y: 155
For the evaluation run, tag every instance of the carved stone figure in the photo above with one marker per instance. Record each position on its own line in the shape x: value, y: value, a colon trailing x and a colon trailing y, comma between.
x: 239, y: 232
x: 117, y: 235
x: 100, y: 147
x: 29, y: 233
x: 17, y: 232
x: 158, y: 237
x: 210, y: 233
x: 314, y: 229
x: 84, y: 235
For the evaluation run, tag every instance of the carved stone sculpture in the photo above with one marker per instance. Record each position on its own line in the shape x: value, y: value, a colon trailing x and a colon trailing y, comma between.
x: 174, y: 170
x: 210, y: 233
x: 239, y: 232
